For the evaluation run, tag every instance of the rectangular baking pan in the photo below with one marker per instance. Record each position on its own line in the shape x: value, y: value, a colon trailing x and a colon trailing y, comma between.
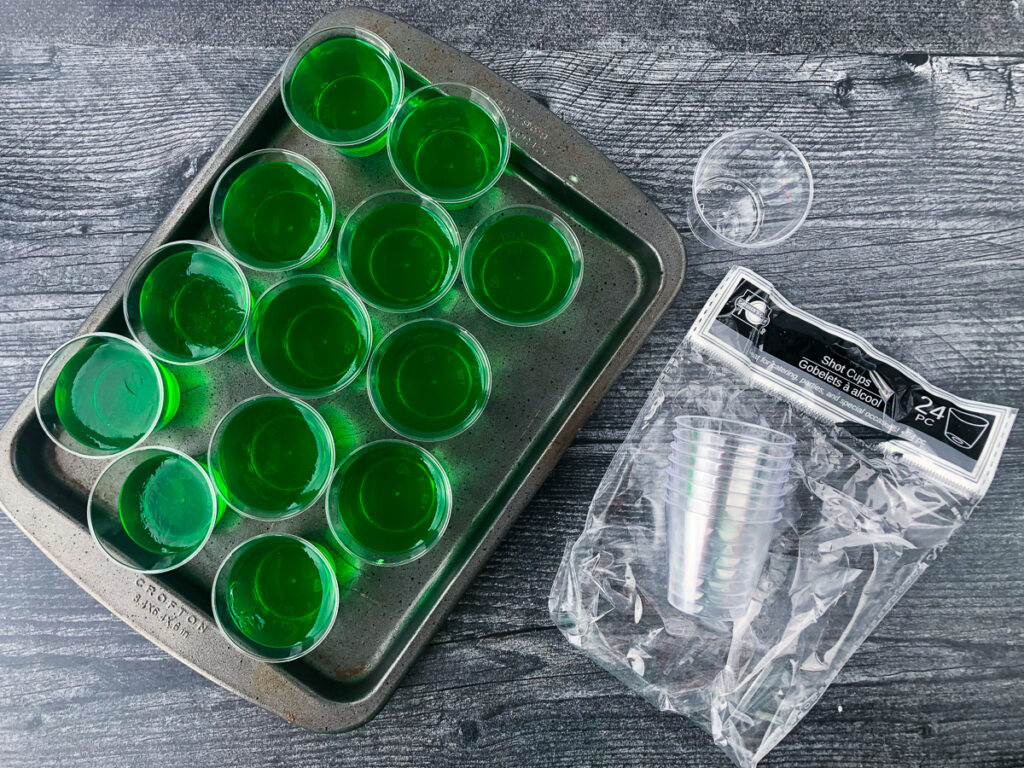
x: 547, y: 380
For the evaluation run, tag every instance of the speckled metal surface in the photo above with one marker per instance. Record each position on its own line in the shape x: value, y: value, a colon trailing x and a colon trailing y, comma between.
x: 547, y: 380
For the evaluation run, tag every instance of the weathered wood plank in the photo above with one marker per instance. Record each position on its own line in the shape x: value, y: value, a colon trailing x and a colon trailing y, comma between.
x: 913, y: 241
x: 791, y: 26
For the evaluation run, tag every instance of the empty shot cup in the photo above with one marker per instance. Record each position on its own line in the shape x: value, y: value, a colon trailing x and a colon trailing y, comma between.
x: 273, y: 209
x: 187, y: 302
x: 708, y: 578
x: 728, y: 477
x: 152, y: 509
x: 522, y: 265
x: 713, y: 502
x: 685, y: 451
x: 342, y: 86
x: 450, y: 142
x: 429, y: 379
x: 275, y: 597
x: 751, y: 189
x: 720, y: 555
x: 729, y: 434
x: 685, y: 461
x: 399, y: 251
x: 711, y: 448
x: 389, y: 502
x: 102, y: 394
x: 309, y: 336
x: 725, y: 487
x: 271, y: 457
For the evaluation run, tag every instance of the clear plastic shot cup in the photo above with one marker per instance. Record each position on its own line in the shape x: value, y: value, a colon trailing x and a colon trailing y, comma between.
x: 271, y: 457
x: 399, y: 251
x: 736, y: 477
x: 429, y: 379
x: 713, y: 575
x: 751, y: 189
x: 522, y: 265
x: 152, y: 509
x: 711, y: 449
x: 713, y: 502
x: 276, y: 597
x: 450, y: 142
x: 725, y: 488
x: 273, y: 210
x: 343, y: 86
x: 188, y: 302
x: 729, y: 434
x: 389, y: 502
x: 309, y: 336
x: 101, y: 394
x: 686, y: 459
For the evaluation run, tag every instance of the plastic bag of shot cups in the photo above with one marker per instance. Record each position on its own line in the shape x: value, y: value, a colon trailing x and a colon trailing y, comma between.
x: 885, y: 469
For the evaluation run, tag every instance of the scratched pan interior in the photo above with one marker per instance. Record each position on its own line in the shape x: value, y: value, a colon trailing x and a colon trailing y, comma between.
x: 546, y: 380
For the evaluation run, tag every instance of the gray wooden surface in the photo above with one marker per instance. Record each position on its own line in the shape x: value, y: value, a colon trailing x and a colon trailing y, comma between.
x: 107, y: 109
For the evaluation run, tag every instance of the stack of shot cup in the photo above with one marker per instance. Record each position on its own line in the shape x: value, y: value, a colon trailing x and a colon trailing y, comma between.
x: 724, y: 495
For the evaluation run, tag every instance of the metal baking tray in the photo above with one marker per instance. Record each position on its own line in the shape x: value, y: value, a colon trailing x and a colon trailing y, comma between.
x: 547, y: 380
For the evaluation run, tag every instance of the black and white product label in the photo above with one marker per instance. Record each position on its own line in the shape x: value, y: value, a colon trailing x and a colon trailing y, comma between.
x: 842, y: 375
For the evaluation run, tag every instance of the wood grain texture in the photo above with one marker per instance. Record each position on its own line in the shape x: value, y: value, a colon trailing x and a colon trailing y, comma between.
x: 778, y: 26
x: 913, y: 241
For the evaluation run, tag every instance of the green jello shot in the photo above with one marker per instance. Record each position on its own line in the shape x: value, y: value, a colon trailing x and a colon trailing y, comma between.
x: 449, y: 142
x: 275, y: 597
x: 271, y: 457
x: 399, y: 251
x: 522, y: 265
x: 429, y: 379
x: 187, y: 303
x: 273, y: 210
x: 342, y: 86
x: 101, y: 394
x: 389, y: 502
x: 309, y: 336
x: 152, y: 509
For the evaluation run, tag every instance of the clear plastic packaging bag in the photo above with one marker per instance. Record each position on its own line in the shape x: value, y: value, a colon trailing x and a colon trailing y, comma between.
x: 886, y: 469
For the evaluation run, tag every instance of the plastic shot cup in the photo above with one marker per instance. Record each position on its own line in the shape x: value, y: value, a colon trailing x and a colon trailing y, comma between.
x: 713, y: 571
x: 152, y: 509
x: 691, y: 461
x: 271, y: 457
x: 273, y: 210
x: 399, y: 251
x: 389, y: 502
x: 725, y: 487
x: 742, y: 478
x: 729, y: 476
x: 522, y: 265
x: 751, y: 189
x: 449, y: 142
x: 724, y: 502
x: 275, y: 597
x: 686, y: 450
x: 188, y: 302
x: 743, y: 455
x: 765, y: 456
x: 101, y: 394
x: 429, y: 379
x: 729, y: 434
x: 309, y: 336
x: 343, y: 86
